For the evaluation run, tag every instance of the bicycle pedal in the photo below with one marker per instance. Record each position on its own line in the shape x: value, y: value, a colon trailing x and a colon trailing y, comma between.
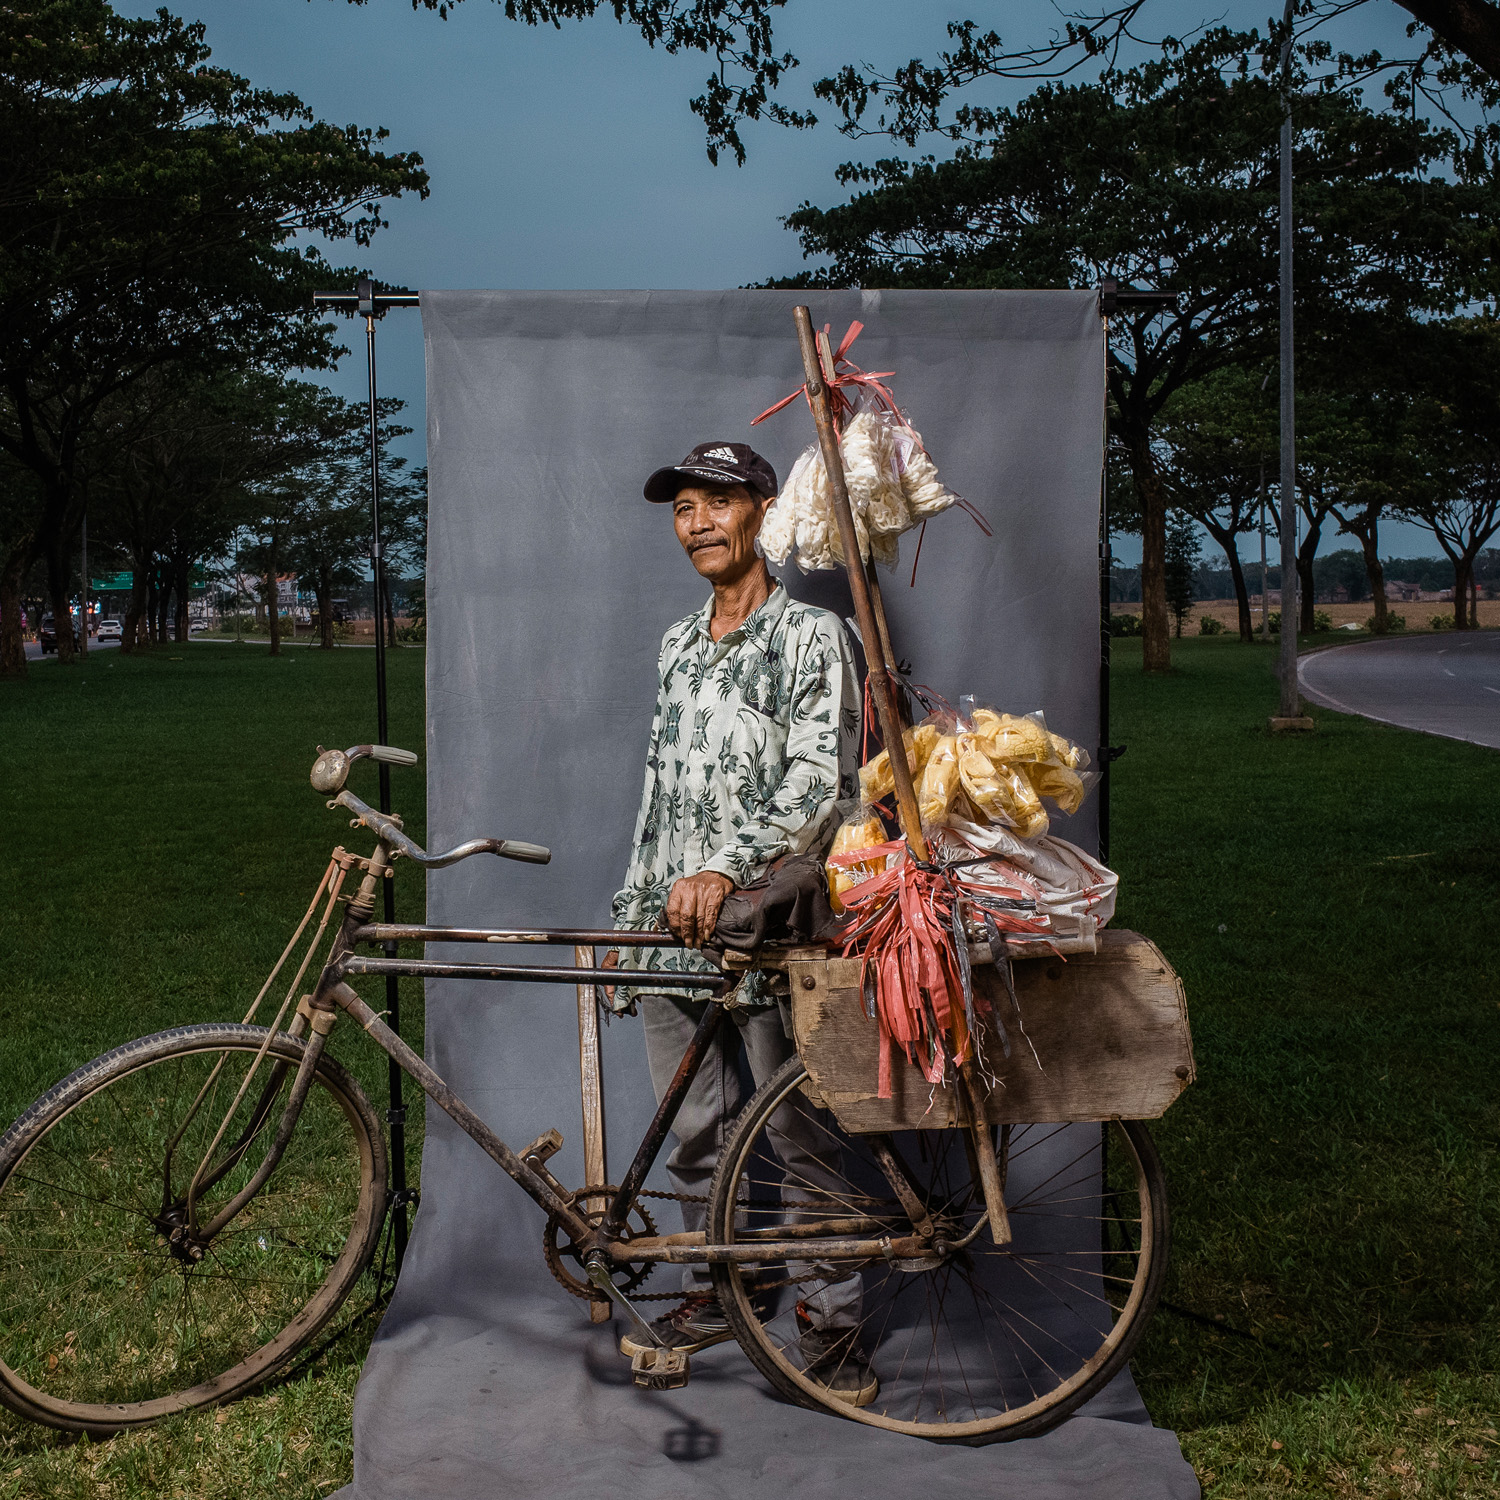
x: 659, y: 1369
x: 542, y: 1149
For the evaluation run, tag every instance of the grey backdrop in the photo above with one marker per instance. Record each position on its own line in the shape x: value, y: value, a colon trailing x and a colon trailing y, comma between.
x: 550, y: 581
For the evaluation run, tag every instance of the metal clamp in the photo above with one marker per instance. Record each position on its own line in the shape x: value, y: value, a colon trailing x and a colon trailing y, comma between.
x: 317, y: 1017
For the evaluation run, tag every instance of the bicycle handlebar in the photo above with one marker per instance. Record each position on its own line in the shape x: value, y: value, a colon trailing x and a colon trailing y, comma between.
x: 385, y: 828
x: 331, y: 769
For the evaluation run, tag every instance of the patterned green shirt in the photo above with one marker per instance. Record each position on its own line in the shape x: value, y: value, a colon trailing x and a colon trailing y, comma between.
x: 753, y: 742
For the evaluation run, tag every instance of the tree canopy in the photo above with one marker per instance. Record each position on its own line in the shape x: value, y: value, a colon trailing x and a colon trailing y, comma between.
x: 156, y: 210
x: 1165, y: 175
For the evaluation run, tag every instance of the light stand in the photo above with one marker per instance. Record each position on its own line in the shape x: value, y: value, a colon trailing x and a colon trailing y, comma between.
x: 369, y: 305
x: 1112, y: 299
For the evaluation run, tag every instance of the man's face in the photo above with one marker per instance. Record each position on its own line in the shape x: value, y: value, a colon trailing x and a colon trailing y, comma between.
x: 717, y: 528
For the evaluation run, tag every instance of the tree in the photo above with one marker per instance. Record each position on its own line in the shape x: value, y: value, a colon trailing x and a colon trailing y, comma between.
x: 1458, y: 420
x: 181, y: 447
x: 20, y: 508
x: 157, y: 211
x: 1163, y: 175
x: 1184, y: 548
x: 1215, y: 437
x: 331, y: 541
x: 309, y: 441
x: 403, y: 540
x: 1470, y: 27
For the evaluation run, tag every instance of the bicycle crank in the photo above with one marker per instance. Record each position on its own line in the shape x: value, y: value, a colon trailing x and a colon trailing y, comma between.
x: 656, y: 1367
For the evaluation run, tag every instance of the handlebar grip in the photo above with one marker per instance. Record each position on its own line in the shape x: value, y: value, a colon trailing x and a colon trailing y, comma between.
x: 535, y: 854
x: 392, y: 756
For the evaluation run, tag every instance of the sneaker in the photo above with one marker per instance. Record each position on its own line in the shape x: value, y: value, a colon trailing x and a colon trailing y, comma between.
x: 835, y: 1360
x: 695, y: 1323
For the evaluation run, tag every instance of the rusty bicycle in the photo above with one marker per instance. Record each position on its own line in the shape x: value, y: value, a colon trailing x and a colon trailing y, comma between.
x: 180, y: 1217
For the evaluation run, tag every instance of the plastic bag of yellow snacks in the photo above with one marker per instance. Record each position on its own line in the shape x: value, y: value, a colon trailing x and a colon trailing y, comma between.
x: 861, y: 830
x: 983, y: 766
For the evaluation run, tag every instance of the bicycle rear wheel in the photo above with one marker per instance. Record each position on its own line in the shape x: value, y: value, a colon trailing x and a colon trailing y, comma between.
x: 977, y: 1345
x: 105, y: 1323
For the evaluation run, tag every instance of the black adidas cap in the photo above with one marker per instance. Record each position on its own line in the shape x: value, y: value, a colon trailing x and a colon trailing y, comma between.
x: 713, y: 463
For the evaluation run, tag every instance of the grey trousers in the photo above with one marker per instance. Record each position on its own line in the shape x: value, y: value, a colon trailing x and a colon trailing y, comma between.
x: 713, y: 1100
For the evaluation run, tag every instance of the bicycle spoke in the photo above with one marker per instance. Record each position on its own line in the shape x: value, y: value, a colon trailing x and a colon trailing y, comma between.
x: 97, y: 1306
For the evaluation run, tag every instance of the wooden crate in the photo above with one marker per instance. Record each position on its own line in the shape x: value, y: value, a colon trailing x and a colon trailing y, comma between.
x: 1109, y: 1032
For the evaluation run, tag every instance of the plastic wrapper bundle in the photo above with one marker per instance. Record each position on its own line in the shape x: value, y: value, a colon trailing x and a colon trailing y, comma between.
x: 893, y: 486
x: 862, y: 829
x: 1071, y: 894
x: 1048, y: 895
x: 987, y: 768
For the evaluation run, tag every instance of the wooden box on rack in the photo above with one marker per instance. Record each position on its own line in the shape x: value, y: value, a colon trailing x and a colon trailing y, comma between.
x: 1097, y: 1036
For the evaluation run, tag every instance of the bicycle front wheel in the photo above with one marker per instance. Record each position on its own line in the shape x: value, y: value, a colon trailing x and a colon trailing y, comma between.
x: 108, y: 1319
x: 977, y: 1342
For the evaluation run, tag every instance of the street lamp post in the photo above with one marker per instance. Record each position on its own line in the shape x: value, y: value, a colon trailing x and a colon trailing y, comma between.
x: 1289, y: 698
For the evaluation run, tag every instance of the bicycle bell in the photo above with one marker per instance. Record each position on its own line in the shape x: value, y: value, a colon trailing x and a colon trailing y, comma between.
x: 330, y: 771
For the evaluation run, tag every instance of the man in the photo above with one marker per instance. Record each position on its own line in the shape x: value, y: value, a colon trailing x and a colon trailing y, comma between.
x: 752, y: 744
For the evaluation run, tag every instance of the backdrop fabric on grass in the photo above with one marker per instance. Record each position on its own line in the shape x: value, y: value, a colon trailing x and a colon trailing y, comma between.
x: 550, y: 582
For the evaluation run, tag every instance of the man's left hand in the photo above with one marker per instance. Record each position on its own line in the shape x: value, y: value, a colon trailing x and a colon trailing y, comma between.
x: 694, y: 904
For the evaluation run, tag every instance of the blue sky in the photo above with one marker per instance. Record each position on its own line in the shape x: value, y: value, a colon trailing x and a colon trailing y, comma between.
x: 570, y: 159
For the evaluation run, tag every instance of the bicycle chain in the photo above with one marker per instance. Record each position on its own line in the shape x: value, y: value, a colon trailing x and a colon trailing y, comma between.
x: 765, y: 1286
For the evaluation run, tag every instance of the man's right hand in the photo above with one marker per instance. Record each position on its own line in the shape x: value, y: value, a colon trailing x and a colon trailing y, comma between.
x: 611, y: 961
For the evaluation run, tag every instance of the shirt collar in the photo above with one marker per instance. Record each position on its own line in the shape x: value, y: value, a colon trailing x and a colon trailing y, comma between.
x: 759, y: 622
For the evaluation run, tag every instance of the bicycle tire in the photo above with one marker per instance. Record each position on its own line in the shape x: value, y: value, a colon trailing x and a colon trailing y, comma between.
x: 120, y: 1345
x: 1060, y: 1313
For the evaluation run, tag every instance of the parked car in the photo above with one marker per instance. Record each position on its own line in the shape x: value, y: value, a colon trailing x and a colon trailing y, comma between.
x: 47, y: 634
x: 196, y: 626
x: 110, y: 630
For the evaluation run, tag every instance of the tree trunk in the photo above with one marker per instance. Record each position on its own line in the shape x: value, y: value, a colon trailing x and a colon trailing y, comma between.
x: 58, y: 580
x: 12, y: 623
x: 1225, y: 538
x: 182, y: 572
x: 1463, y: 568
x: 1468, y: 26
x: 1305, y: 554
x: 163, y: 601
x: 323, y: 586
x: 1369, y: 541
x: 133, y: 636
x: 1473, y: 599
x: 273, y: 613
x: 1156, y: 630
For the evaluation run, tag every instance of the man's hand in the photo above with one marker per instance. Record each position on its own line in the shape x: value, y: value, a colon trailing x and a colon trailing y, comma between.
x: 693, y: 907
x: 611, y: 961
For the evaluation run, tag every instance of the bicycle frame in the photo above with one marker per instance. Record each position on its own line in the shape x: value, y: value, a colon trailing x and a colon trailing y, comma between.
x: 333, y: 994
x: 597, y: 1243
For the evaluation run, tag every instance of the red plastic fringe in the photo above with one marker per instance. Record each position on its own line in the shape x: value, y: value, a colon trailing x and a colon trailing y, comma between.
x: 903, y: 930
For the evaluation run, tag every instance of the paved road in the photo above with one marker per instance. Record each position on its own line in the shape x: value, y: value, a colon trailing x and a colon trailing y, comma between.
x: 34, y: 650
x: 1441, y: 684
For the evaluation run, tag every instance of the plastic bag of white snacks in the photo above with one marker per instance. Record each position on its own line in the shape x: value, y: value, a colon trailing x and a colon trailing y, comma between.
x: 893, y: 486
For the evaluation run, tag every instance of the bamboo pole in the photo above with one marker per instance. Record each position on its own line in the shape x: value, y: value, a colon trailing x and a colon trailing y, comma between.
x: 874, y: 636
x: 869, y: 611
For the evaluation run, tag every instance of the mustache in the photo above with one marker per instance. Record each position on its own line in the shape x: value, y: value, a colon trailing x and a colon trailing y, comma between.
x: 711, y: 541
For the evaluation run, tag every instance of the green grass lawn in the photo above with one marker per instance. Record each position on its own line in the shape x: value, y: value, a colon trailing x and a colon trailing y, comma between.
x: 160, y: 844
x: 1329, y: 899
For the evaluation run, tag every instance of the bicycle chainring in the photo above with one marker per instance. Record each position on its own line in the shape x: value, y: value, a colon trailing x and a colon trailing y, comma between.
x: 563, y: 1259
